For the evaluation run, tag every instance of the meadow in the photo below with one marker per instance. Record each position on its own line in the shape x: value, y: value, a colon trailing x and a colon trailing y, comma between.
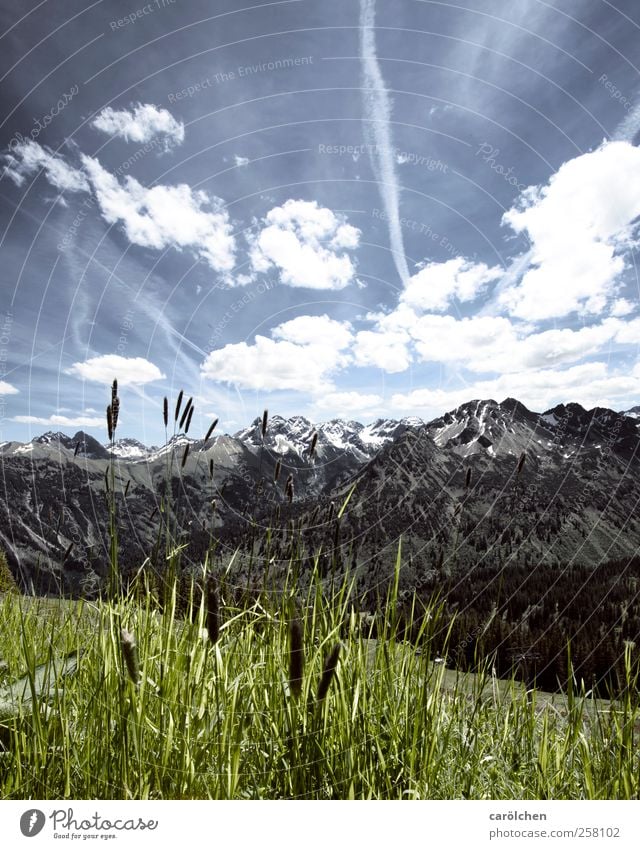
x: 274, y: 700
x: 194, y: 687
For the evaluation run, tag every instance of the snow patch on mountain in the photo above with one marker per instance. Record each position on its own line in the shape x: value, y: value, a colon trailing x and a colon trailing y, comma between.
x: 130, y: 449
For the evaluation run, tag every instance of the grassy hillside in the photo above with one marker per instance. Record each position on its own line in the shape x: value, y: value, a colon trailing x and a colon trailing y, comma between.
x: 280, y: 697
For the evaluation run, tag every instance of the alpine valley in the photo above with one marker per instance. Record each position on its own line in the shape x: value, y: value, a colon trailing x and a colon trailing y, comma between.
x: 486, y: 485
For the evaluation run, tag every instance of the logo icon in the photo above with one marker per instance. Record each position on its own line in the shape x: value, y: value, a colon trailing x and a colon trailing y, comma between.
x: 32, y: 822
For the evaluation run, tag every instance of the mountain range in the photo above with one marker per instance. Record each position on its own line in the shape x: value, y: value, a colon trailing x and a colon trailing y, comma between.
x: 485, y: 482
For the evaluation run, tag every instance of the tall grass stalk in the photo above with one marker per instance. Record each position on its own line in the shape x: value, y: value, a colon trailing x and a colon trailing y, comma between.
x: 114, y: 585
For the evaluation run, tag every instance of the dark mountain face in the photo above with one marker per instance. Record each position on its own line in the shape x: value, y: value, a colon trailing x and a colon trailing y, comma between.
x: 495, y: 484
x: 486, y: 483
x: 54, y: 491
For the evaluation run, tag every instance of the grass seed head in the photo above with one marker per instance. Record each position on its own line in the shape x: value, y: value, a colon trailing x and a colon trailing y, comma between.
x: 185, y: 454
x: 115, y: 410
x: 130, y: 653
x: 521, y: 462
x: 212, y: 609
x: 189, y: 417
x: 185, y: 413
x: 110, y: 423
x: 328, y: 673
x: 296, y: 657
x: 314, y: 442
x: 178, y: 405
x: 265, y: 419
x: 165, y: 411
x: 336, y: 534
x: 276, y: 471
x: 114, y: 407
x: 212, y: 427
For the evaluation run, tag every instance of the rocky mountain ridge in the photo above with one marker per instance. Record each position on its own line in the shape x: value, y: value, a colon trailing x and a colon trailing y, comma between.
x: 450, y: 487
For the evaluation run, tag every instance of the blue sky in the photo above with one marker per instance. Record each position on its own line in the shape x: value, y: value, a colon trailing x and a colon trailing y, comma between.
x: 353, y: 209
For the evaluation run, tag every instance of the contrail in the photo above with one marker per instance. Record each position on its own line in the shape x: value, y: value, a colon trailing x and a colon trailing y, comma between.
x: 377, y: 110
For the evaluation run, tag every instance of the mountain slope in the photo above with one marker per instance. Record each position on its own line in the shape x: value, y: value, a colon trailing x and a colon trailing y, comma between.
x: 486, y: 482
x: 493, y: 482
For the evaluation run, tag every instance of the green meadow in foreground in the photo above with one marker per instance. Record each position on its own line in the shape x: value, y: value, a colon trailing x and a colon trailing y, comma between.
x: 280, y: 698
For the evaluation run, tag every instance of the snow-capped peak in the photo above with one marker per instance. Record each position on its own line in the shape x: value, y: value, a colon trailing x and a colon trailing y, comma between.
x: 130, y: 449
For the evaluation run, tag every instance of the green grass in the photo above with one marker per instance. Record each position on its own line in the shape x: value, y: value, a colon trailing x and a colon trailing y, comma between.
x: 219, y: 720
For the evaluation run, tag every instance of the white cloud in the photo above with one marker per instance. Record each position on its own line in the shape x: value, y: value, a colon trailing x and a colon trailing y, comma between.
x: 158, y: 217
x: 348, y: 402
x: 384, y: 349
x: 28, y: 157
x: 7, y: 388
x: 589, y: 384
x: 438, y: 283
x: 621, y: 307
x: 306, y: 244
x: 403, y: 336
x: 482, y: 343
x: 315, y: 330
x: 62, y: 421
x: 141, y: 124
x: 626, y: 332
x: 305, y: 353
x: 577, y: 224
x: 266, y: 365
x: 165, y: 216
x: 240, y: 160
x: 486, y: 344
x: 302, y: 357
x: 128, y: 371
